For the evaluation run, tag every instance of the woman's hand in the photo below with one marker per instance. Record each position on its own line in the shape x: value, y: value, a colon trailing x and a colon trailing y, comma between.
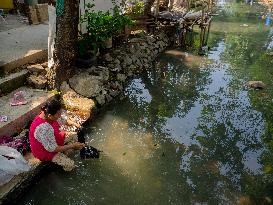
x: 78, y: 145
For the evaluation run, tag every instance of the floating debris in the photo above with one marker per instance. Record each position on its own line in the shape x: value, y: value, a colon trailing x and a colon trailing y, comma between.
x: 244, y: 25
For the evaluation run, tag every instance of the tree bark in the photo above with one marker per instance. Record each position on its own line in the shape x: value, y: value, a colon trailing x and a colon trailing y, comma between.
x: 65, y: 44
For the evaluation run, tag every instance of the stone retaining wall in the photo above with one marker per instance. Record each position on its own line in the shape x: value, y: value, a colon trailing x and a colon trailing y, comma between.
x: 100, y: 84
x: 95, y: 86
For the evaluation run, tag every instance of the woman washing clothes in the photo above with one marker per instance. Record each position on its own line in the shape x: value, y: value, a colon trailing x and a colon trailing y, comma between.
x: 47, y: 142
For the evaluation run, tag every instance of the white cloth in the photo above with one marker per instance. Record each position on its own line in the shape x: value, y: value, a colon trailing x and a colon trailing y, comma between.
x: 44, y: 133
x: 11, y: 163
x: 52, y: 34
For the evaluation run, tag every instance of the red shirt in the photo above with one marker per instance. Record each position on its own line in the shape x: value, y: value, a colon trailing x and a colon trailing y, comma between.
x: 37, y: 147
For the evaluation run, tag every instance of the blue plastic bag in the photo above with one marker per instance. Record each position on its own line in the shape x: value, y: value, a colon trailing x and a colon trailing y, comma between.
x: 267, y: 20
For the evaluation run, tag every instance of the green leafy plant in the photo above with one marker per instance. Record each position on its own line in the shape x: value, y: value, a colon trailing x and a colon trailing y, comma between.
x: 100, y: 27
x: 135, y: 8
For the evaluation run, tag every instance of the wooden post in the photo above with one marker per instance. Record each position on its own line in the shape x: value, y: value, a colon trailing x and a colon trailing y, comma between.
x: 208, y: 30
x: 157, y: 9
x: 201, y: 31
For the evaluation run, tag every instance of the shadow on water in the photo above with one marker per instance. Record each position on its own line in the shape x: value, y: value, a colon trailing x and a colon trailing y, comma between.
x: 188, y: 132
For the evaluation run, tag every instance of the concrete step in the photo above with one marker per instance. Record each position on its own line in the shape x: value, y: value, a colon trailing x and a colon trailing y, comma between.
x: 13, y: 81
x: 22, y: 45
x: 20, y: 116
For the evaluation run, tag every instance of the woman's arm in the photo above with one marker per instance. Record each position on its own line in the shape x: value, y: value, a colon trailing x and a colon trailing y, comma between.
x: 44, y: 133
x: 75, y: 145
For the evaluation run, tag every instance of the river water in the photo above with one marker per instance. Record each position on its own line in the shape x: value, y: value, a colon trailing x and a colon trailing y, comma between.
x: 188, y: 132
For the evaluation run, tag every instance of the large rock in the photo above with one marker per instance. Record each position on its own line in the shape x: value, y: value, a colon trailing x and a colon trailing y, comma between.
x: 136, y: 40
x: 256, y: 84
x: 117, y: 61
x: 128, y: 61
x: 132, y: 49
x: 138, y: 63
x: 100, y: 99
x: 134, y: 59
x: 108, y: 57
x: 108, y: 97
x: 113, y: 92
x: 36, y: 69
x: 102, y: 72
x: 86, y: 85
x: 161, y: 44
x: 38, y: 82
x: 114, y: 67
x: 150, y: 39
x: 121, y: 77
x: 161, y: 36
x: 73, y: 101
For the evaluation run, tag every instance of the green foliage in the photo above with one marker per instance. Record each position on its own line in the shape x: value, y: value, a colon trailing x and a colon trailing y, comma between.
x: 135, y: 8
x: 55, y: 92
x: 100, y: 27
x: 241, y: 10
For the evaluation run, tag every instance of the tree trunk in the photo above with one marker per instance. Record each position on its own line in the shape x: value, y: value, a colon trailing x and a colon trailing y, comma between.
x: 65, y: 43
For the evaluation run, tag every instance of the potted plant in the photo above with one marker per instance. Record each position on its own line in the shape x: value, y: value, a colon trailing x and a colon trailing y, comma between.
x: 86, y: 53
x: 135, y: 8
x: 100, y: 26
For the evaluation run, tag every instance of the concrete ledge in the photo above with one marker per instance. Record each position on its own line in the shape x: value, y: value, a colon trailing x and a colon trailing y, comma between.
x: 13, y: 81
x: 33, y: 56
x: 20, y: 116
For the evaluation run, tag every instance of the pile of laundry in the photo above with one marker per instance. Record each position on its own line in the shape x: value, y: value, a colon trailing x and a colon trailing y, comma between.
x: 20, y: 142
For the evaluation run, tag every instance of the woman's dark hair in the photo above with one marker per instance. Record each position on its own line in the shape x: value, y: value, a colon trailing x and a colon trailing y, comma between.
x: 52, y: 107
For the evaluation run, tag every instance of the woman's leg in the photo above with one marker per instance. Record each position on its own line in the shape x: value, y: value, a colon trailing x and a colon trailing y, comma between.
x: 64, y: 161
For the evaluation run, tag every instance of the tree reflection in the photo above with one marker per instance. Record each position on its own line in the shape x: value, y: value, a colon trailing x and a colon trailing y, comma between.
x: 221, y: 164
x: 169, y: 84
